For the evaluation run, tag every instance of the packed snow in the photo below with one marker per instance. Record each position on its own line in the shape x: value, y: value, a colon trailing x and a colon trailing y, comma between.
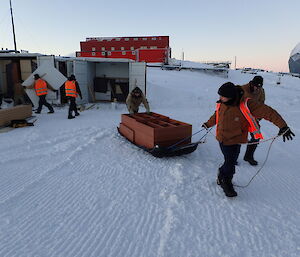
x: 76, y: 188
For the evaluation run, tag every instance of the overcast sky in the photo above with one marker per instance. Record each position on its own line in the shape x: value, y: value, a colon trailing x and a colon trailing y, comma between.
x: 260, y: 33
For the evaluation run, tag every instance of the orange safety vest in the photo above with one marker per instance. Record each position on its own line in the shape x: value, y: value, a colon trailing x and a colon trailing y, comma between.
x: 70, y: 88
x: 253, y: 125
x: 40, y: 87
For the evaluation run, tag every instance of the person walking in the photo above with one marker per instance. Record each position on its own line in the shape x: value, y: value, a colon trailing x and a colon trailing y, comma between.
x: 134, y: 100
x: 235, y: 116
x: 254, y: 90
x: 41, y: 89
x: 72, y: 91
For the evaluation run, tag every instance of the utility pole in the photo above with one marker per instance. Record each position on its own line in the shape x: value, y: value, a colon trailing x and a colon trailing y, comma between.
x: 13, y: 26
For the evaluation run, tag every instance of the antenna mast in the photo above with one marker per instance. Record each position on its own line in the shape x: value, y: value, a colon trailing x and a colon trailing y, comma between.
x: 13, y: 26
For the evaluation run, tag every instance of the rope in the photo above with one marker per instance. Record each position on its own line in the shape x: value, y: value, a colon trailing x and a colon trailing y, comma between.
x: 252, y: 143
x: 244, y: 186
x: 186, y: 138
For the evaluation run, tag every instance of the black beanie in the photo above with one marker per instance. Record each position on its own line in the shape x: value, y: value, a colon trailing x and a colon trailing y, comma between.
x: 72, y: 77
x: 228, y: 90
x: 257, y: 80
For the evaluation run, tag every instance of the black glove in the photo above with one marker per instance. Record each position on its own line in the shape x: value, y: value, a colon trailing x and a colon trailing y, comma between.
x: 286, y: 133
x: 204, y: 125
x: 24, y: 87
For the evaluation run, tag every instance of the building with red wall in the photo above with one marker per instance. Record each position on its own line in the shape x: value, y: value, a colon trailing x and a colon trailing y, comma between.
x: 141, y: 49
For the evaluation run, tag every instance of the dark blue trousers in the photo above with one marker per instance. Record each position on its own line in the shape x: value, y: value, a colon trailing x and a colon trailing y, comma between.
x: 231, y: 154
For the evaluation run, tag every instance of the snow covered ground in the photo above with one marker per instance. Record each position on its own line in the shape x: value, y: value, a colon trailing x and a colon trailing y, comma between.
x: 75, y: 188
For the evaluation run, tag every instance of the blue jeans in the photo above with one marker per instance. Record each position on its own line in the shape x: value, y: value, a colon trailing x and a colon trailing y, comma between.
x: 231, y: 154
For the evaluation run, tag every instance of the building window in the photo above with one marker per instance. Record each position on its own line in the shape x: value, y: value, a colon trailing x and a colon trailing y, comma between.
x: 78, y: 54
x: 93, y: 49
x: 118, y: 39
x: 93, y: 53
x: 112, y: 48
x: 153, y: 47
x: 122, y: 48
x: 133, y: 52
x: 143, y: 47
x: 135, y: 39
x: 154, y: 38
x: 103, y: 53
x: 131, y: 48
x: 123, y: 52
x: 103, y: 48
x: 144, y: 38
x: 109, y: 53
x: 126, y: 39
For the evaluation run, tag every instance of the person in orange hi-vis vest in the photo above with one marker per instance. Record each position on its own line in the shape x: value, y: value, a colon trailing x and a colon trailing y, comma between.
x: 234, y: 117
x: 41, y: 89
x: 254, y: 90
x: 72, y: 90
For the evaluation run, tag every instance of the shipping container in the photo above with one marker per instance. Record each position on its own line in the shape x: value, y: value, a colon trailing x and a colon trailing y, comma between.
x: 100, y: 79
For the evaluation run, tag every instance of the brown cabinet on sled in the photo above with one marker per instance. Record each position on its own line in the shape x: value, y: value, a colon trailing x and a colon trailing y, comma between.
x: 149, y: 130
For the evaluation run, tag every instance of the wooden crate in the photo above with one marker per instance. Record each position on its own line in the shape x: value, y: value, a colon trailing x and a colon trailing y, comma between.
x: 18, y: 112
x: 153, y: 129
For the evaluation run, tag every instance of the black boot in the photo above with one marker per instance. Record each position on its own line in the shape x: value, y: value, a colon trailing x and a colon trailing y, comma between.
x: 77, y: 113
x: 71, y: 117
x: 249, y: 154
x: 226, y: 184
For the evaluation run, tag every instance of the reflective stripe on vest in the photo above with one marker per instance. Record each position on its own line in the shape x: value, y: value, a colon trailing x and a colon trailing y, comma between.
x: 40, y: 87
x: 253, y: 125
x: 70, y: 88
x: 217, y: 115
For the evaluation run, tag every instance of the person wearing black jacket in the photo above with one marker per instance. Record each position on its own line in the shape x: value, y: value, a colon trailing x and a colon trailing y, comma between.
x: 72, y: 91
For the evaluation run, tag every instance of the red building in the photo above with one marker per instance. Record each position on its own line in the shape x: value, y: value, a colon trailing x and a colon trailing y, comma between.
x: 141, y: 49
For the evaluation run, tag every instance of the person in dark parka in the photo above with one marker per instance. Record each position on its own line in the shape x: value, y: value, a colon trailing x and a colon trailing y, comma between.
x: 254, y: 90
x: 134, y: 99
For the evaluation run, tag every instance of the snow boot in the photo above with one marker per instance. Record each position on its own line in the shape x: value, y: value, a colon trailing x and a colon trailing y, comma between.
x: 226, y: 184
x: 77, y: 114
x: 50, y: 112
x: 71, y: 117
x: 249, y: 154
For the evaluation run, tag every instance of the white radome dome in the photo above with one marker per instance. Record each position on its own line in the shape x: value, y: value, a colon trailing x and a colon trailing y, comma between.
x: 296, y: 50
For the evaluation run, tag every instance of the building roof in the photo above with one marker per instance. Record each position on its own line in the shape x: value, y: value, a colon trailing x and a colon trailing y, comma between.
x: 93, y: 59
x: 19, y: 55
x: 114, y: 38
